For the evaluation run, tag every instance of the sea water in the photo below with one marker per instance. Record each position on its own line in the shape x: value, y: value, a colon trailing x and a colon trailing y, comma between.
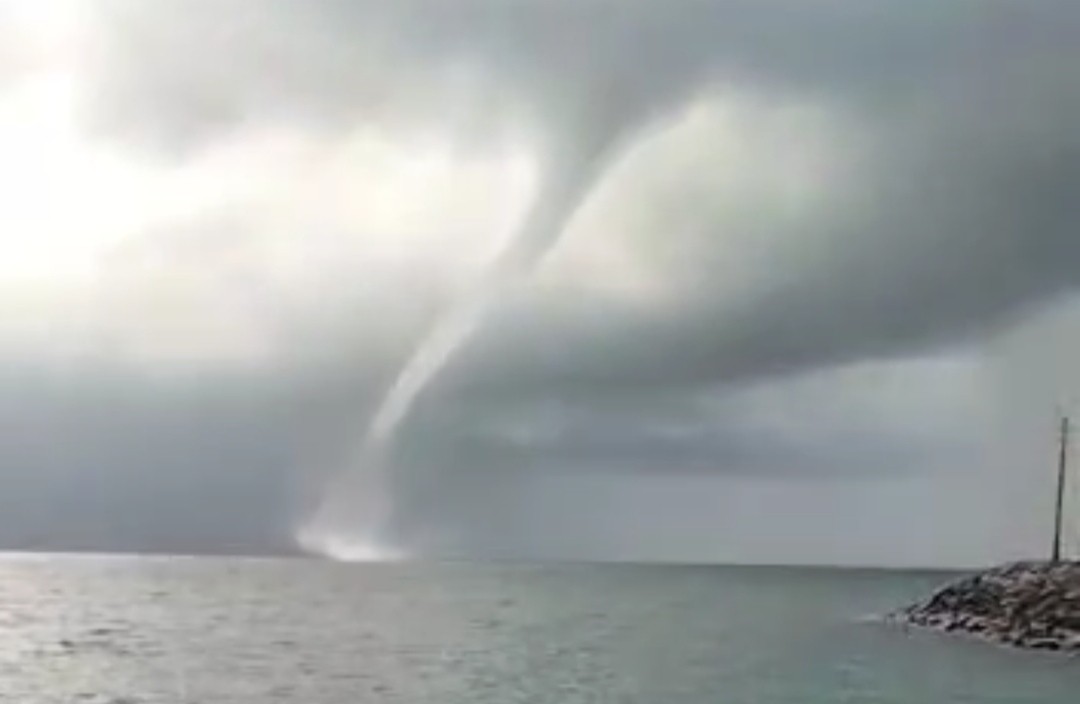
x: 117, y: 630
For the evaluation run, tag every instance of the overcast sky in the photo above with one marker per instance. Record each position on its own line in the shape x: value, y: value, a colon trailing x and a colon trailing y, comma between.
x: 806, y: 283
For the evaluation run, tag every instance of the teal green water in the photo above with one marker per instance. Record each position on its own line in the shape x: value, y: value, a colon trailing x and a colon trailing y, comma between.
x: 97, y: 630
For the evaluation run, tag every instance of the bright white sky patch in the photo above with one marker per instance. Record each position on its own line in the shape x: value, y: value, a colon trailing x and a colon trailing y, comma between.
x: 104, y: 247
x: 153, y: 258
x: 65, y: 201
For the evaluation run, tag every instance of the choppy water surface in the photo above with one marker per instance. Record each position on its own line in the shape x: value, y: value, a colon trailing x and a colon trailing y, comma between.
x: 98, y: 630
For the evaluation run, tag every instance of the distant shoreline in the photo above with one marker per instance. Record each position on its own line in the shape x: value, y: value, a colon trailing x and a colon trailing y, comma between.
x: 1032, y: 605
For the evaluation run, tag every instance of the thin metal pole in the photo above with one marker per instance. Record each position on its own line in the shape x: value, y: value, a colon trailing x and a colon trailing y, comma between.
x: 1063, y: 456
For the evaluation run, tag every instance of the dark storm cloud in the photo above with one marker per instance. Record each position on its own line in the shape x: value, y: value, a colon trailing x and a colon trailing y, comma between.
x: 957, y: 217
x: 648, y: 435
x: 960, y: 215
x: 190, y: 68
x: 105, y: 458
x: 109, y: 462
x: 949, y: 235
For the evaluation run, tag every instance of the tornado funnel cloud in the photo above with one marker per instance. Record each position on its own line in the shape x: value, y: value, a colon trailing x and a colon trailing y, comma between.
x: 427, y: 361
x: 564, y: 189
x: 356, y: 510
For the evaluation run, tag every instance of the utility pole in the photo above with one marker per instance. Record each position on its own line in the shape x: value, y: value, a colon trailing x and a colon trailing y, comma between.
x: 1063, y: 457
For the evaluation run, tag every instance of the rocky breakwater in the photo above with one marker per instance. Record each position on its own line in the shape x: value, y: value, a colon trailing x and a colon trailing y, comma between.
x: 1027, y: 605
